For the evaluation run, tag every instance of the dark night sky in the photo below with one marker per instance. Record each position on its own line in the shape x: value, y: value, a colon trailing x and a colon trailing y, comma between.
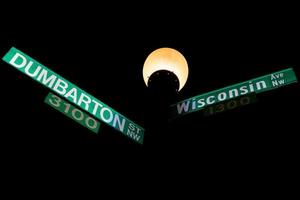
x: 106, y: 58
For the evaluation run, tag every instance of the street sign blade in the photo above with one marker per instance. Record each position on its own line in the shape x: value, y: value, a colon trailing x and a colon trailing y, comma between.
x: 74, y: 94
x: 257, y: 85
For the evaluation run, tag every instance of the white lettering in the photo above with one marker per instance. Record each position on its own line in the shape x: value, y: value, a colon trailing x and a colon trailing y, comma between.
x: 277, y: 83
x: 84, y: 99
x: 74, y: 111
x: 106, y: 118
x: 133, y: 135
x: 281, y: 82
x: 131, y: 126
x: 208, y: 101
x: 46, y: 80
x: 236, y: 93
x: 183, y: 106
x: 193, y: 104
x: 243, y: 90
x: 67, y: 107
x: 273, y: 77
x: 14, y: 63
x: 72, y: 94
x: 32, y: 74
x: 97, y: 104
x: 251, y: 87
x: 261, y: 83
x: 201, y: 103
x: 95, y: 124
x: 134, y: 128
x: 222, y: 96
x: 62, y: 85
x: 121, y: 125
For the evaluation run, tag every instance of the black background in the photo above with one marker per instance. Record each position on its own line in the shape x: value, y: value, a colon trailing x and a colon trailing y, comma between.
x: 103, y: 53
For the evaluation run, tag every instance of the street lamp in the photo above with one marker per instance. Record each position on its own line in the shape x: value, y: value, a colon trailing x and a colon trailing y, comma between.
x: 165, y: 69
x: 165, y: 73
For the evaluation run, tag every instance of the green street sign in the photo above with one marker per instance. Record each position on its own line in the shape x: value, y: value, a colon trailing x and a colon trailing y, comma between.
x: 72, y: 112
x: 257, y: 85
x: 74, y: 94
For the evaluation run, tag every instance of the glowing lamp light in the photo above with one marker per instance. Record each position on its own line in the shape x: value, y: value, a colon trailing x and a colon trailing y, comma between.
x: 166, y: 59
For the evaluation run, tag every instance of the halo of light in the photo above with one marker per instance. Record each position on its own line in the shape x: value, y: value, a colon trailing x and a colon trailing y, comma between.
x: 166, y: 59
